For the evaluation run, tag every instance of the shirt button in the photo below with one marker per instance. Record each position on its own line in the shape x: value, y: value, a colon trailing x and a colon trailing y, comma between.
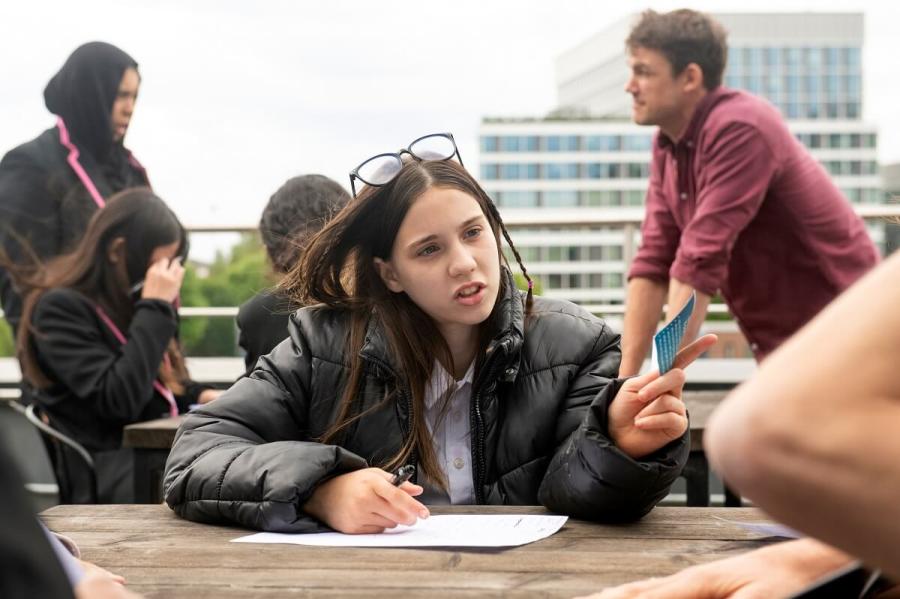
x: 690, y: 144
x: 683, y: 195
x: 458, y: 463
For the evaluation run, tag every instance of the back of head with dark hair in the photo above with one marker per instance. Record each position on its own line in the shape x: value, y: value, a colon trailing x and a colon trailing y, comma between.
x: 684, y: 37
x: 294, y: 213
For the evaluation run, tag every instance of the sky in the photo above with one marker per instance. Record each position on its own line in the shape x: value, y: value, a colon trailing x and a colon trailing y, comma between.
x: 238, y: 96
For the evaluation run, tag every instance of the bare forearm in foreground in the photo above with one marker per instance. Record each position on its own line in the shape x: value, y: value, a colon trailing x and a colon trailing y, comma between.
x: 813, y: 437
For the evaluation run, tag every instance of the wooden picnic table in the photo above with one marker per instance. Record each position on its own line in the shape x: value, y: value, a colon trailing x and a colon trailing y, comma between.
x: 162, y: 555
x: 153, y: 439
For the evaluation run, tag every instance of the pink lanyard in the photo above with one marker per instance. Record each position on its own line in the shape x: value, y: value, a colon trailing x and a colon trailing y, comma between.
x: 163, y: 390
x: 85, y: 179
x: 72, y: 159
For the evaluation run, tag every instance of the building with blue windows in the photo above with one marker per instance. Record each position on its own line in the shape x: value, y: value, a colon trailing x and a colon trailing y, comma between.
x: 588, y: 158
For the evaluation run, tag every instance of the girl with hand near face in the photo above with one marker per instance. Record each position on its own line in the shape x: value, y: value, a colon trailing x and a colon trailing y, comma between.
x: 95, y: 352
x: 417, y: 348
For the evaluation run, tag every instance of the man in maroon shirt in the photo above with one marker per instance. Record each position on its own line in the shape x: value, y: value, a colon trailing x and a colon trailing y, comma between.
x: 736, y: 205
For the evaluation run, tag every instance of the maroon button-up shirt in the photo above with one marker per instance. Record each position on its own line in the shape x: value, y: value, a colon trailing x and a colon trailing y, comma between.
x: 738, y: 206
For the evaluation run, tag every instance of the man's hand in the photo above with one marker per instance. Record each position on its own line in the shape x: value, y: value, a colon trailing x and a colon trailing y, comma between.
x: 776, y: 571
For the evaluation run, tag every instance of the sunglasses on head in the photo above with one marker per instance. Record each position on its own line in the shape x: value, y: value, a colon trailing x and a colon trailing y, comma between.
x: 381, y: 169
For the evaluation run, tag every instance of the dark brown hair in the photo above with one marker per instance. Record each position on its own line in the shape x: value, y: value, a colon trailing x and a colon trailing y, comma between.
x: 145, y: 223
x: 294, y: 213
x: 338, y: 270
x: 684, y: 37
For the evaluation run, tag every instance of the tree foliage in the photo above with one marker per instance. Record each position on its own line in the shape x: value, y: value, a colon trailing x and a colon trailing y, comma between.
x: 233, y: 278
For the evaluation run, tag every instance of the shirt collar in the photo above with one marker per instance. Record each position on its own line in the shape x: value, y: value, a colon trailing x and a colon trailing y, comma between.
x: 441, y: 381
x: 697, y: 121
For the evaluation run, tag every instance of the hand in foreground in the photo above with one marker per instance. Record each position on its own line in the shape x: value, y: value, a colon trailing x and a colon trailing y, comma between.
x: 647, y: 413
x: 776, y: 571
x: 208, y: 395
x: 95, y: 571
x: 163, y: 280
x: 98, y: 583
x: 170, y: 376
x: 365, y: 501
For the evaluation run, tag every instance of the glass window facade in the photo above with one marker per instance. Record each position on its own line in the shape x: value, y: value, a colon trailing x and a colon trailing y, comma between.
x: 565, y: 170
x: 804, y: 82
x: 565, y: 143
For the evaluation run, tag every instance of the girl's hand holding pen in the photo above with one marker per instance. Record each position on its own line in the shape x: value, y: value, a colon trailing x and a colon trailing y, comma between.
x: 366, y: 501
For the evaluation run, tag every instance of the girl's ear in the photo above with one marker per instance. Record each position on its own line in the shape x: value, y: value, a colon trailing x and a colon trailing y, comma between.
x: 115, y: 251
x: 387, y: 274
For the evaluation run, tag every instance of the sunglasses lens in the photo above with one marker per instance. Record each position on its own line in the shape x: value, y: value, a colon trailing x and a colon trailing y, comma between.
x: 379, y: 170
x: 433, y: 147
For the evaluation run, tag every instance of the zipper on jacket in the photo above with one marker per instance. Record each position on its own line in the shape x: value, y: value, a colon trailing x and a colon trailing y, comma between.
x: 478, y: 448
x: 381, y: 365
x: 414, y: 455
x: 478, y: 427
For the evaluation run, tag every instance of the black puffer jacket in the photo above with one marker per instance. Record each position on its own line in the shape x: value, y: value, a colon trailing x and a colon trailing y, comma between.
x: 539, y: 407
x: 97, y: 384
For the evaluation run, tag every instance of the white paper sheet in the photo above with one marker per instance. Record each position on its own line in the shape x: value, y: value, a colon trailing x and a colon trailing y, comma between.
x: 475, y: 530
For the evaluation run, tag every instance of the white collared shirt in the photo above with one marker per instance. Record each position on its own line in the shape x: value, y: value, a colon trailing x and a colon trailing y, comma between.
x: 452, y: 436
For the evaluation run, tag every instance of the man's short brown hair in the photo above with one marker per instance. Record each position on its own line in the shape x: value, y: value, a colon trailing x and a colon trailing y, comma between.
x: 684, y: 37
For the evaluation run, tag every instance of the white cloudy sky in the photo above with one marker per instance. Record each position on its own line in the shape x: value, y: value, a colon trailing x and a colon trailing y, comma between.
x: 238, y: 96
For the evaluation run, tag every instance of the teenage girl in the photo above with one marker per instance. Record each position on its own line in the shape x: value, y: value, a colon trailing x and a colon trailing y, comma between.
x: 422, y: 351
x: 98, y: 351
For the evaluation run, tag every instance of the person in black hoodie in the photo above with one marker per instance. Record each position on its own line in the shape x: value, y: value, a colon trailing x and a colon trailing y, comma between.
x: 97, y: 350
x: 421, y: 351
x: 293, y: 215
x: 50, y: 186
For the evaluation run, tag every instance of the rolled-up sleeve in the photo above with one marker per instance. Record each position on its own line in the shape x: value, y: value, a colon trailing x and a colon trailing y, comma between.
x: 737, y: 168
x: 659, y: 232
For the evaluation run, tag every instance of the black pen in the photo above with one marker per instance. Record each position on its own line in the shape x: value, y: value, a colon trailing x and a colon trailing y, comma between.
x: 403, y: 474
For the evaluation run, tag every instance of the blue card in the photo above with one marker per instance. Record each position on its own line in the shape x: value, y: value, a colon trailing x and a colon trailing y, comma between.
x: 667, y: 340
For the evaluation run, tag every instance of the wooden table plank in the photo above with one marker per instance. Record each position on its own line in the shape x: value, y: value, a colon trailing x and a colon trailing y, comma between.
x: 162, y: 555
x: 662, y: 522
x: 152, y: 434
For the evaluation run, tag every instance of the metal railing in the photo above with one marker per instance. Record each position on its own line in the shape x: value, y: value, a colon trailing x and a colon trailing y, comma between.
x: 629, y: 219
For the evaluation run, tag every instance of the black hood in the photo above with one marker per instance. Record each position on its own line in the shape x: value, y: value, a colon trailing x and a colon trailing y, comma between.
x: 83, y: 93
